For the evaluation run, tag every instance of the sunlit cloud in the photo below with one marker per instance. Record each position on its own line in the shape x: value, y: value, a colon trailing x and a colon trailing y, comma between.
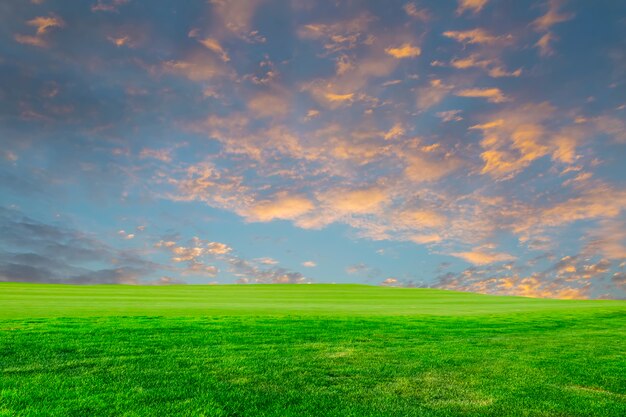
x: 480, y: 256
x: 44, y: 23
x: 474, y: 6
x: 30, y: 40
x: 493, y: 95
x: 405, y: 50
x: 108, y: 5
x: 491, y: 66
x: 212, y: 45
x: 476, y: 36
x: 552, y: 16
x: 544, y: 44
x: 413, y: 11
x: 283, y: 205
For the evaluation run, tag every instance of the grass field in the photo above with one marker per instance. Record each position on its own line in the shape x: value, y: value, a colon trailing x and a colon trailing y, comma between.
x: 305, y: 350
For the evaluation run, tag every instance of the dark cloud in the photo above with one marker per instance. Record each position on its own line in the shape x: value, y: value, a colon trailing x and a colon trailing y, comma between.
x: 40, y: 252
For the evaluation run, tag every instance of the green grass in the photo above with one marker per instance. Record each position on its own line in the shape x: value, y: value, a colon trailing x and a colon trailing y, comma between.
x: 305, y: 350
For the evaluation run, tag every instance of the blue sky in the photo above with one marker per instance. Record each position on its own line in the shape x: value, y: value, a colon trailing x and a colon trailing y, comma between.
x: 474, y: 145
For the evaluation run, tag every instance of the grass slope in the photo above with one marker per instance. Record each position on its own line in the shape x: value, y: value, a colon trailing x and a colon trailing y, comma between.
x: 307, y: 350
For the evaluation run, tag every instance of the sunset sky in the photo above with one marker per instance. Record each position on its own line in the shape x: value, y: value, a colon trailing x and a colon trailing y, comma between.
x: 475, y: 145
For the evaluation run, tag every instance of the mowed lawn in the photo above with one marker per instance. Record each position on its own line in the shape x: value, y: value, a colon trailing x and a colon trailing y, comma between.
x: 305, y: 350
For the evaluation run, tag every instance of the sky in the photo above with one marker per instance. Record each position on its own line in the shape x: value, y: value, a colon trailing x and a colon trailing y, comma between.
x: 472, y: 145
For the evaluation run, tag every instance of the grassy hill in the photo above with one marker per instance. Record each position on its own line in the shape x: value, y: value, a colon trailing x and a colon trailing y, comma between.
x: 305, y: 350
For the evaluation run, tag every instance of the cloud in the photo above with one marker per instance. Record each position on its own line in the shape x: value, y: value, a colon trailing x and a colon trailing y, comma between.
x: 537, y: 286
x: 217, y: 248
x: 125, y: 235
x: 422, y: 167
x: 543, y: 23
x: 515, y: 137
x: 163, y: 155
x: 364, y: 270
x: 267, y: 261
x: 339, y: 35
x: 544, y: 44
x: 271, y: 103
x: 248, y: 272
x: 450, y: 115
x: 214, y: 45
x: 433, y: 94
x: 44, y: 23
x: 418, y: 14
x: 476, y: 36
x: 339, y: 97
x: 421, y: 218
x: 619, y: 280
x: 281, y: 206
x: 389, y: 282
x: 108, y: 6
x: 194, y: 256
x: 353, y: 201
x: 493, y: 95
x: 425, y: 239
x: 405, y: 50
x: 309, y: 264
x: 30, y: 40
x: 198, y: 67
x: 396, y: 131
x: 474, y: 6
x: 234, y: 17
x: 480, y: 256
x: 552, y: 16
x: 41, y: 252
x: 493, y: 67
x: 589, y: 203
x: 120, y: 40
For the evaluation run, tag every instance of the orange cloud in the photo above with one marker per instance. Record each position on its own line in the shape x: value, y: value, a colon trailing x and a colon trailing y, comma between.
x: 30, y: 40
x: 359, y: 201
x: 552, y: 16
x: 43, y: 23
x: 419, y: 218
x: 419, y: 14
x: 119, y: 41
x: 493, y: 95
x: 405, y: 50
x: 474, y: 6
x: 425, y: 239
x: 480, y: 256
x: 544, y: 44
x: 339, y: 97
x: 396, y: 131
x: 282, y: 206
x: 475, y: 36
x: 214, y: 45
x: 492, y: 66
